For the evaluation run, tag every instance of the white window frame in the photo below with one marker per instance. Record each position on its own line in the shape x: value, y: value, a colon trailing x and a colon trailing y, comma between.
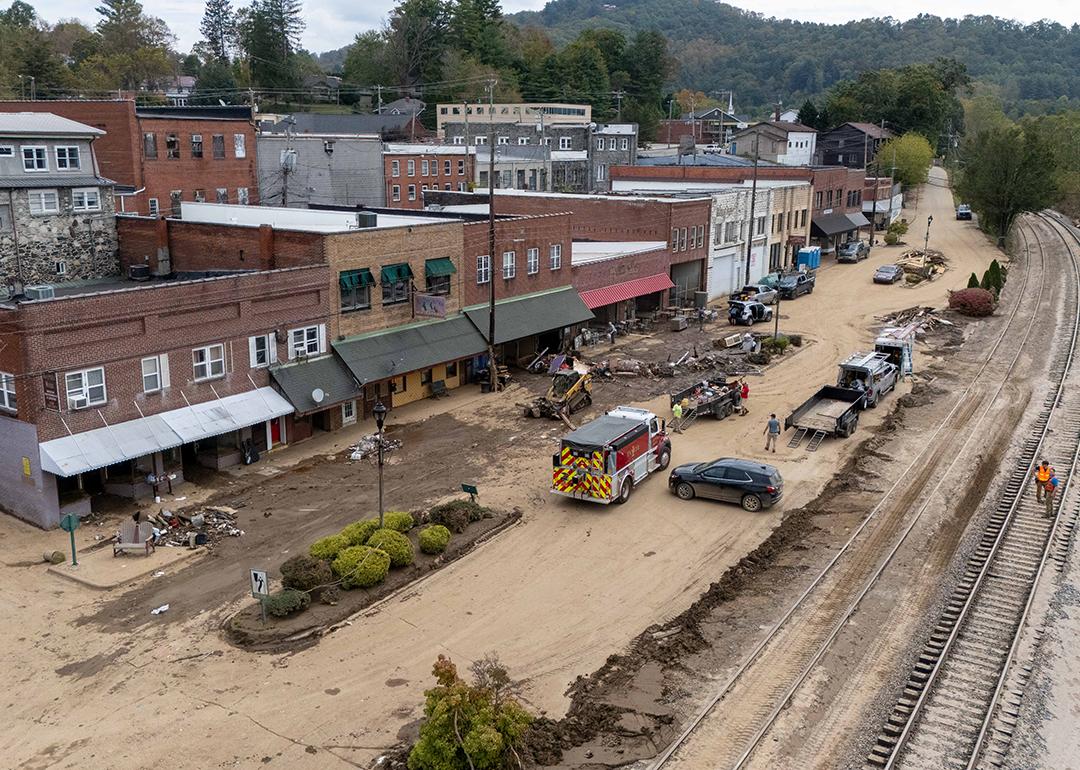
x: 532, y: 261
x: 262, y: 350
x: 40, y: 153
x: 523, y: 140
x: 395, y: 192
x: 81, y: 396
x: 412, y: 192
x: 601, y: 172
x: 424, y: 168
x: 461, y: 186
x: 611, y: 143
x: 307, y: 341
x: 483, y: 269
x: 209, y: 362
x: 395, y: 168
x: 599, y: 142
x: 7, y: 392
x: 153, y: 207
x: 503, y: 140
x: 65, y: 165
x: 85, y: 193
x: 348, y: 412
x: 555, y: 256
x: 459, y: 140
x: 40, y: 194
x: 480, y: 140
x: 410, y: 167
x: 7, y: 151
x: 243, y: 196
x: 461, y: 167
x: 509, y: 265
x: 624, y: 144
x: 566, y: 142
x: 239, y: 145
x: 160, y: 373
x: 446, y: 167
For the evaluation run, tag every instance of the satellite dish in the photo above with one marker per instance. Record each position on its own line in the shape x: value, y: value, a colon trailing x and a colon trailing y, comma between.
x: 318, y: 395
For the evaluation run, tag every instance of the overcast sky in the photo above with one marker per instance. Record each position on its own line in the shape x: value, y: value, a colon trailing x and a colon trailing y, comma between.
x: 334, y: 23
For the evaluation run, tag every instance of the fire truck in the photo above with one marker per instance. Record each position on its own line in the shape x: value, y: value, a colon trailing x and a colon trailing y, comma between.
x: 602, y: 460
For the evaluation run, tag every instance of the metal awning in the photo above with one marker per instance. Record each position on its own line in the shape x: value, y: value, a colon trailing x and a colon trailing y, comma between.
x: 831, y: 224
x: 128, y: 440
x: 355, y: 279
x: 389, y: 274
x: 619, y: 292
x: 518, y: 317
x: 437, y: 268
x: 858, y: 220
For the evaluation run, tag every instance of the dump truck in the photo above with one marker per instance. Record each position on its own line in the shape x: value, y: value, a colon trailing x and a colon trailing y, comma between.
x: 604, y: 459
x: 711, y: 396
x: 570, y: 391
x: 832, y: 411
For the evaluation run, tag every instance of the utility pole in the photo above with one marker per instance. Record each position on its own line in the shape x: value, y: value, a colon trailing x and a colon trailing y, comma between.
x: 618, y: 101
x: 378, y: 108
x: 873, y: 211
x: 753, y: 200
x: 493, y: 370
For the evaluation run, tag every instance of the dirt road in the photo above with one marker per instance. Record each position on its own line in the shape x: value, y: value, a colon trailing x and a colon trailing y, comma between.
x: 553, y: 596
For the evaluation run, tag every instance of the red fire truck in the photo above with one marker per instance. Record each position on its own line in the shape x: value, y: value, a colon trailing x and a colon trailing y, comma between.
x: 602, y: 460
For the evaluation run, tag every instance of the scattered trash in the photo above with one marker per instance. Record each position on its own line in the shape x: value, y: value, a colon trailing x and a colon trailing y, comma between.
x: 159, y: 610
x: 159, y: 573
x: 923, y: 318
x: 369, y: 445
x: 54, y: 557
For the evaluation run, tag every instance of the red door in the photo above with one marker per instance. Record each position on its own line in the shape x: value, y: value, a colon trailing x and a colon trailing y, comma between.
x: 275, y: 432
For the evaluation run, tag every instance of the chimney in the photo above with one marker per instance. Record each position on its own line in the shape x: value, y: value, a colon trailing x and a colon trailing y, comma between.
x: 266, y: 247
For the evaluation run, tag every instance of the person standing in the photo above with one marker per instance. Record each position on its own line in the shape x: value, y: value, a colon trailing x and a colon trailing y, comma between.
x: 772, y: 432
x: 613, y: 330
x: 1043, y: 474
x: 1050, y: 489
x: 744, y: 393
x: 676, y: 413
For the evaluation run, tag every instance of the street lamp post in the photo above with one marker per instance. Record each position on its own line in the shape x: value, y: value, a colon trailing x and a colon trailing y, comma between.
x: 926, y: 240
x: 380, y: 417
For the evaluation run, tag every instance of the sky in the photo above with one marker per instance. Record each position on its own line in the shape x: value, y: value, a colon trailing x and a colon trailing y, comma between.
x: 334, y: 23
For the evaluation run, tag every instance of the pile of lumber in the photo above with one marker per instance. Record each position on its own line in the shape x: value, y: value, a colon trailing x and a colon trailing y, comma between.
x: 926, y: 264
x: 923, y: 318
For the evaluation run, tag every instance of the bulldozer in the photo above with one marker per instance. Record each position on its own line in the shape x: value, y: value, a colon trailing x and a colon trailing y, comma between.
x: 570, y: 391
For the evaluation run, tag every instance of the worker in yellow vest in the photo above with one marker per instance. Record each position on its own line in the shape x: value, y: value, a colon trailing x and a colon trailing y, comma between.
x: 1043, y: 474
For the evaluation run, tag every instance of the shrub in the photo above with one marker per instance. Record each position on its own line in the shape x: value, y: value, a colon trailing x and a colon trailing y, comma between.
x: 434, y: 538
x: 396, y: 545
x: 305, y: 573
x: 973, y: 281
x: 328, y: 547
x: 795, y: 339
x: 401, y: 521
x: 330, y: 595
x: 358, y: 532
x: 899, y: 227
x: 775, y: 345
x: 455, y: 515
x: 360, y: 566
x: 985, y: 282
x: 891, y: 238
x: 286, y: 602
x: 997, y: 276
x: 972, y: 302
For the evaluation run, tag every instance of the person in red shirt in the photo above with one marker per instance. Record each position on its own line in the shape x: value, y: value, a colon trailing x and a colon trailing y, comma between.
x: 744, y: 393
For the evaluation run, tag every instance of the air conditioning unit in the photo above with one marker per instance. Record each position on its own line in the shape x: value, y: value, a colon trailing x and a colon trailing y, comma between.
x: 42, y: 291
x: 139, y: 272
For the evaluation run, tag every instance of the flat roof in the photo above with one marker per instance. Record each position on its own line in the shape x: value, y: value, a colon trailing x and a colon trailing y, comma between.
x: 307, y: 220
x: 43, y: 124
x: 428, y: 149
x: 506, y: 193
x: 587, y: 252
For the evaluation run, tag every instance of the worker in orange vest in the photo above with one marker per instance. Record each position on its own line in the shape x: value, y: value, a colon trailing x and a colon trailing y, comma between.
x: 1043, y: 474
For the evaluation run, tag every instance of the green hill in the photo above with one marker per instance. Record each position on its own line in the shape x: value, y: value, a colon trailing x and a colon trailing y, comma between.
x: 720, y: 47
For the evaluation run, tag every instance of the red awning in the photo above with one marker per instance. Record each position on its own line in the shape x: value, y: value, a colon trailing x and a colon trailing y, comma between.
x: 626, y: 290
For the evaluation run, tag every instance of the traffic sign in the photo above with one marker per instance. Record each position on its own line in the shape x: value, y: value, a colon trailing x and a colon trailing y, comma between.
x: 69, y: 522
x: 260, y: 584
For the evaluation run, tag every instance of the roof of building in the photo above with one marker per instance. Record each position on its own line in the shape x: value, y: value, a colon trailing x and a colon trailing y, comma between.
x: 536, y: 313
x: 299, y: 381
x: 54, y: 179
x: 482, y: 191
x: 282, y: 218
x: 715, y: 159
x: 626, y: 290
x: 873, y: 130
x: 565, y: 156
x: 782, y: 126
x: 43, y: 124
x: 586, y: 252
x: 340, y: 125
x: 624, y: 129
x: 197, y: 112
x: 428, y: 149
x: 512, y: 152
x: 404, y: 106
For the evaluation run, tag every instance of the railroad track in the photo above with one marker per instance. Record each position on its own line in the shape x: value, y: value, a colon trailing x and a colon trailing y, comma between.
x: 954, y: 712
x: 743, y: 709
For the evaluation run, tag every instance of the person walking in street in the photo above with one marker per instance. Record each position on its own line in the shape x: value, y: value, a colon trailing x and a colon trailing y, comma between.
x: 744, y: 393
x: 1050, y: 489
x: 676, y: 413
x: 772, y: 432
x: 1043, y: 474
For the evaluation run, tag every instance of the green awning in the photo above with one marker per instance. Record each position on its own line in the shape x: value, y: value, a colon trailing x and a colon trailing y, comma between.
x: 355, y: 279
x: 391, y: 274
x: 437, y: 268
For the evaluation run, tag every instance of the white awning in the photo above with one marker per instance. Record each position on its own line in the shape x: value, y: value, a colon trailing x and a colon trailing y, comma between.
x: 104, y: 446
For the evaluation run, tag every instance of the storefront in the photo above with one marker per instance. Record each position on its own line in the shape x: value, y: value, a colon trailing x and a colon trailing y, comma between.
x: 624, y: 301
x: 532, y: 323
x: 830, y: 230
x: 323, y: 393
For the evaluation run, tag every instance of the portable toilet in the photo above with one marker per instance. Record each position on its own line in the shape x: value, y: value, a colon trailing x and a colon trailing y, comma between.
x: 810, y: 256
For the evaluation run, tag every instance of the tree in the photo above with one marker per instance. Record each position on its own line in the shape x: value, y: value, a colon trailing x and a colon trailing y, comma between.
x: 124, y: 28
x: 366, y: 62
x: 36, y: 58
x: 808, y: 115
x: 19, y: 14
x: 691, y: 101
x: 973, y: 281
x: 218, y: 28
x: 477, y: 29
x: 906, y: 159
x: 416, y: 38
x: 270, y: 38
x: 216, y: 82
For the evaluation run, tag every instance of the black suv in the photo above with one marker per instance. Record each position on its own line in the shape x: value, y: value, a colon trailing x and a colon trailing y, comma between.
x: 792, y: 286
x: 752, y: 485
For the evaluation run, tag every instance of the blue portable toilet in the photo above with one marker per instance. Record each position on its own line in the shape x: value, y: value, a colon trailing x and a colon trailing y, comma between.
x: 810, y: 256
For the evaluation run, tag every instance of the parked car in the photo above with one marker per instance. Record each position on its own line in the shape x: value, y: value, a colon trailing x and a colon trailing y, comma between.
x: 796, y: 284
x: 852, y: 251
x: 753, y: 485
x: 758, y: 292
x: 888, y: 274
x: 747, y: 313
x: 963, y: 211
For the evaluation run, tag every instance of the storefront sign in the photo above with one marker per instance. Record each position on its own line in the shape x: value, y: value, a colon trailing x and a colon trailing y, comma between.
x: 429, y: 305
x: 52, y: 391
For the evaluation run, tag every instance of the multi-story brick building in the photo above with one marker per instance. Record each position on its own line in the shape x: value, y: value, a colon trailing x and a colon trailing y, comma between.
x: 410, y: 170
x: 56, y: 210
x: 160, y: 156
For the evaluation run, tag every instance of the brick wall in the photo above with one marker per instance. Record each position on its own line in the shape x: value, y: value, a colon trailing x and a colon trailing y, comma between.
x: 517, y: 235
x: 607, y: 272
x: 437, y: 176
x: 711, y: 173
x: 117, y: 329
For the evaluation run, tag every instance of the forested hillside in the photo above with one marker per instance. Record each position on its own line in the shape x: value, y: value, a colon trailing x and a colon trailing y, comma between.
x: 720, y: 47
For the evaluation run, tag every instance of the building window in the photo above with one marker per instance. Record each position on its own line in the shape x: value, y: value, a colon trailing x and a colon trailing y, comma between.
x: 547, y: 141
x: 348, y: 413
x: 7, y: 392
x: 410, y: 167
x: 701, y: 235
x: 395, y: 168
x: 423, y: 168
x: 532, y: 261
x: 423, y: 188
x: 446, y: 168
x: 601, y: 172
x: 395, y: 292
x: 556, y: 256
x: 509, y: 265
x: 262, y: 350
x: 43, y: 202
x: 222, y: 194
x: 731, y: 230
x: 624, y: 144
x: 152, y: 205
x: 451, y: 370
x: 151, y: 374
x: 217, y: 142
x: 149, y: 143
x: 480, y: 140
x: 674, y: 239
x: 307, y: 341
x: 395, y: 192
x: 7, y: 151
x: 86, y: 199
x: 817, y: 200
x: 600, y: 143
x: 459, y: 140
x: 172, y: 146
x: 503, y: 140
x: 67, y: 159
x: 461, y: 186
x: 761, y: 225
x: 242, y: 196
x: 682, y: 240
x: 803, y: 218
x: 460, y: 167
x: 199, y: 196
x: 447, y: 187
x: 61, y: 267
x: 196, y: 145
x: 35, y: 159
x: 85, y: 388
x: 412, y: 192
x: 564, y: 143
x: 355, y: 288
x: 208, y: 363
x: 239, y: 145
x: 425, y: 377
x: 483, y: 269
x: 611, y: 143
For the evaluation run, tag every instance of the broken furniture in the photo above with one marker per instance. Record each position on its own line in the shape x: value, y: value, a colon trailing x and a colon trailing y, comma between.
x: 134, y: 537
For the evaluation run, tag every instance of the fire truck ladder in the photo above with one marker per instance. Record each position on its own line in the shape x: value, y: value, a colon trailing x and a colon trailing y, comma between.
x: 797, y: 437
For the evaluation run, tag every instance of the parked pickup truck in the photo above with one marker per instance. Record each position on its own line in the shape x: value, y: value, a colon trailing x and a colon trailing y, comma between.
x: 872, y: 374
x: 831, y: 411
x: 795, y: 285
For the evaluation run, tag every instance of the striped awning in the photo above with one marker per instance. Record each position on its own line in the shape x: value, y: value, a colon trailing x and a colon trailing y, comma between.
x: 620, y: 292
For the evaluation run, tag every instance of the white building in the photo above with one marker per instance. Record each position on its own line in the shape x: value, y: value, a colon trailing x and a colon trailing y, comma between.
x: 789, y: 144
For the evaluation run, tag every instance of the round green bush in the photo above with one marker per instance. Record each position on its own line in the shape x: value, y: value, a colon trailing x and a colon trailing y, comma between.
x: 396, y: 545
x: 305, y: 573
x: 400, y: 521
x: 361, y: 567
x: 891, y: 238
x: 286, y: 602
x: 358, y: 532
x: 328, y: 547
x: 434, y: 539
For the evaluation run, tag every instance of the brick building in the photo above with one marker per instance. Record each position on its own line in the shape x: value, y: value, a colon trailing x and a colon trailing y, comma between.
x: 410, y: 170
x: 160, y: 156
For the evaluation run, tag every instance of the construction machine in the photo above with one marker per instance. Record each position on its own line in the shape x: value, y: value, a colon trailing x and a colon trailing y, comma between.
x: 570, y: 391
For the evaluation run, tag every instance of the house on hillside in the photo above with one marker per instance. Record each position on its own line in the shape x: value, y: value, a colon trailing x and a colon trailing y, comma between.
x: 852, y: 144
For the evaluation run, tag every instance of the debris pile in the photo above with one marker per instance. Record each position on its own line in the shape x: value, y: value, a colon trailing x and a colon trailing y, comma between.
x: 923, y: 265
x: 368, y: 446
x: 923, y: 318
x: 207, y: 526
x: 733, y: 362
